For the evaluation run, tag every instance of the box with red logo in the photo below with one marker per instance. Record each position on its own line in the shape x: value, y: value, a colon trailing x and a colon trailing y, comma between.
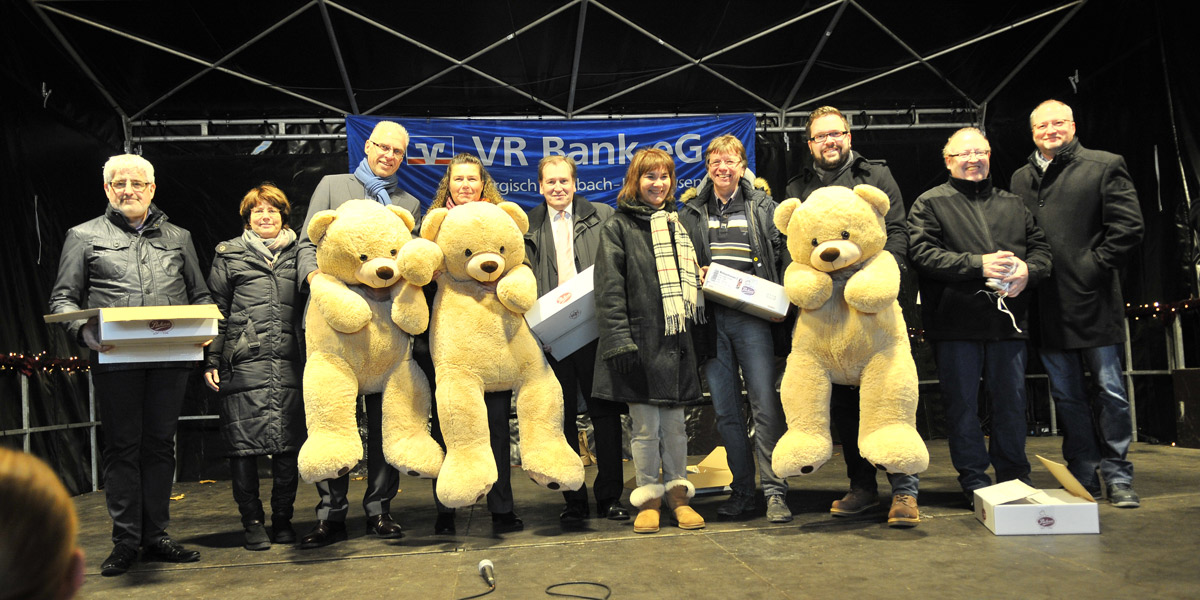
x: 564, y: 320
x: 745, y: 292
x: 150, y: 333
x: 1014, y: 508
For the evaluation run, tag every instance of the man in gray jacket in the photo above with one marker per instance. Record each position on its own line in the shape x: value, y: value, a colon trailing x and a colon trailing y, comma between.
x: 1085, y: 202
x: 374, y: 178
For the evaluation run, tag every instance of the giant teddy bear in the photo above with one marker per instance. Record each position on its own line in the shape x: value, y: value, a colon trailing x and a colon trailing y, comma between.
x: 481, y: 343
x: 359, y: 323
x: 850, y: 331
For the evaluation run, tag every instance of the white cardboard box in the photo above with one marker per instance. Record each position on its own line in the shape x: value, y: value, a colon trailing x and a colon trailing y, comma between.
x: 745, y: 292
x: 1014, y: 508
x: 150, y: 333
x: 564, y: 320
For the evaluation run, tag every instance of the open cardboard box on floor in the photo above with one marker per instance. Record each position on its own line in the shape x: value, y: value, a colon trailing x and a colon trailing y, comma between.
x: 745, y: 292
x: 1014, y: 508
x: 564, y: 319
x: 150, y: 333
x: 710, y: 476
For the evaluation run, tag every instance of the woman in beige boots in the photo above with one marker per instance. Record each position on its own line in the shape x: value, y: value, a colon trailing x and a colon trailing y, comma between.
x: 647, y: 301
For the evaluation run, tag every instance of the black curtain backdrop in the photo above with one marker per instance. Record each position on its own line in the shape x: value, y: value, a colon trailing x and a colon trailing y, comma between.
x: 1136, y: 88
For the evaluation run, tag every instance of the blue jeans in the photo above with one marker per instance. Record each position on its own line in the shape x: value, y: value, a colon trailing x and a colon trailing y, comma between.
x: 960, y: 364
x: 1097, y: 426
x: 843, y: 411
x: 659, y: 442
x: 745, y: 341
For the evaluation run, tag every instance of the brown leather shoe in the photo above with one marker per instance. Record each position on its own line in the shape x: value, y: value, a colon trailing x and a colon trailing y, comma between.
x: 855, y: 502
x: 904, y: 511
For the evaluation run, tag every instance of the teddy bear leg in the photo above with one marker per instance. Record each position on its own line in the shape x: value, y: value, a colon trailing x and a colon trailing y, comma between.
x: 805, y: 394
x: 406, y: 440
x: 545, y: 454
x: 469, y: 469
x: 887, y: 433
x: 333, y: 446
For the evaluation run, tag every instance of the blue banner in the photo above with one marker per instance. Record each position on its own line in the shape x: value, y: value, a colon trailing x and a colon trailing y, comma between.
x: 510, y: 150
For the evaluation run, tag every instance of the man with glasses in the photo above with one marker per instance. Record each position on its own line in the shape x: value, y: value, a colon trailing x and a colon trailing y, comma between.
x: 1085, y: 201
x: 741, y: 235
x: 131, y: 256
x: 374, y: 178
x: 976, y: 248
x: 835, y: 163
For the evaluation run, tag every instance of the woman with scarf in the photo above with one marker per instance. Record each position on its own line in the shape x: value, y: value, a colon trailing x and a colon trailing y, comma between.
x: 256, y: 363
x: 467, y: 181
x: 647, y: 303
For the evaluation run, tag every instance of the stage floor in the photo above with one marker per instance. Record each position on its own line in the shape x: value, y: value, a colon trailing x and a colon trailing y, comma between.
x: 1149, y: 552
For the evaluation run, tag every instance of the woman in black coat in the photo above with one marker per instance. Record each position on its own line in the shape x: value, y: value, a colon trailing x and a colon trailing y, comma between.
x: 256, y: 362
x: 647, y: 299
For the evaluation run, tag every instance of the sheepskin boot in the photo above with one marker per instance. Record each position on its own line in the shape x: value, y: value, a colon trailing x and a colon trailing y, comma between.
x: 678, y: 493
x: 648, y: 500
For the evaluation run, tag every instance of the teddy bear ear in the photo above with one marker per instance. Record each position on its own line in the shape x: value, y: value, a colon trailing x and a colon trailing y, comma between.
x: 404, y: 215
x: 433, y: 222
x: 514, y: 210
x: 783, y: 213
x: 874, y: 196
x: 319, y: 224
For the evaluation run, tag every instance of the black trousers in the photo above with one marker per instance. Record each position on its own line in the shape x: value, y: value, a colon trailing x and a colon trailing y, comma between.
x: 383, y: 480
x: 285, y: 476
x: 499, y: 407
x: 139, y: 413
x: 575, y: 374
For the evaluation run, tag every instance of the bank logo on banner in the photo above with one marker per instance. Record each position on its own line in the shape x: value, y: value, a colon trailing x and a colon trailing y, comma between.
x: 511, y: 149
x: 430, y: 150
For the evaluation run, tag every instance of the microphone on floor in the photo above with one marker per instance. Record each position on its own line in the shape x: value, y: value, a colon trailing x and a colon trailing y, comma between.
x: 488, y: 571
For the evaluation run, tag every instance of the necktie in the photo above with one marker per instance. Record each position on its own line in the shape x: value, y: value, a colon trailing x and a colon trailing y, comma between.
x: 562, y: 243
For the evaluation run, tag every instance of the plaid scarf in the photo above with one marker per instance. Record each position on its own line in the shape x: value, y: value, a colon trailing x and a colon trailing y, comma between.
x: 680, y: 298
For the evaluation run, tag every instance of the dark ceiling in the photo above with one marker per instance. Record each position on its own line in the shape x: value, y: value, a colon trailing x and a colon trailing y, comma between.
x: 325, y: 58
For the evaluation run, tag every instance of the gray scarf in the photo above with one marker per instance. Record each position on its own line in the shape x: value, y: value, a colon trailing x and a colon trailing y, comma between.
x: 270, y: 249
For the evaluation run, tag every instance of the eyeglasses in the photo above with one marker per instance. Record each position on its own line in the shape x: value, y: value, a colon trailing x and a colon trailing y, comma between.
x: 1057, y: 124
x: 386, y: 149
x: 836, y: 135
x: 967, y: 154
x: 137, y: 186
x: 724, y: 163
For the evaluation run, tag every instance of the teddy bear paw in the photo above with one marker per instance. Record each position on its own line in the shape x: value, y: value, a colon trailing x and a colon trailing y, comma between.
x: 799, y: 453
x: 895, y: 448
x: 325, y: 456
x: 466, y: 475
x: 556, y: 468
x: 418, y: 456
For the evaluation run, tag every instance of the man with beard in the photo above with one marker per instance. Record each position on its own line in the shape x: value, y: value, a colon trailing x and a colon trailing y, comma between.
x: 1085, y: 202
x: 834, y: 163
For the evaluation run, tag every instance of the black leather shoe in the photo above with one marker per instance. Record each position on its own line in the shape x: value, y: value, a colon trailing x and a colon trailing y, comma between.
x: 444, y: 525
x: 119, y: 561
x: 506, y: 522
x: 573, y: 514
x: 616, y: 512
x: 324, y: 534
x: 282, y: 532
x: 384, y: 527
x: 168, y: 550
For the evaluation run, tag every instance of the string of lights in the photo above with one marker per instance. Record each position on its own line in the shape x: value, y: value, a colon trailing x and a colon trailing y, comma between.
x: 40, y: 363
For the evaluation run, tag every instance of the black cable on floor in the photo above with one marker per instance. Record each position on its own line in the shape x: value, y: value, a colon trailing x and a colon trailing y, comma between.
x: 491, y: 589
x: 606, y: 596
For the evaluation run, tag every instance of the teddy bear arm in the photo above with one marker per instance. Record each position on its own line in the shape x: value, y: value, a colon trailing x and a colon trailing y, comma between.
x: 876, y: 286
x: 517, y: 290
x: 345, y: 311
x: 807, y: 287
x: 410, y: 310
x: 419, y: 259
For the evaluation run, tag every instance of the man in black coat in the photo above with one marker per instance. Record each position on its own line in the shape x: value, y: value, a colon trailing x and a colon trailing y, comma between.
x: 834, y: 163
x: 563, y: 236
x: 1085, y: 202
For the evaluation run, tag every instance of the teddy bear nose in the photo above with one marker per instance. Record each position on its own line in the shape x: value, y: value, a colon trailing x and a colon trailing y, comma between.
x: 830, y: 254
x: 489, y: 266
x: 384, y: 272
